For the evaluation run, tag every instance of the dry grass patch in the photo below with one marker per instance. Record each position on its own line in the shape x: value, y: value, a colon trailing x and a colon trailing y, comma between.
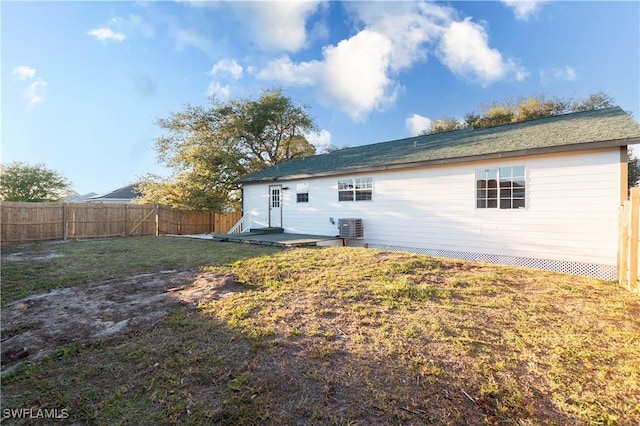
x: 40, y: 267
x: 356, y: 336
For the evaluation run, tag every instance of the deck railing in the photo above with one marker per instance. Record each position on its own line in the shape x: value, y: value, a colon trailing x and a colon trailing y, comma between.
x: 243, y: 224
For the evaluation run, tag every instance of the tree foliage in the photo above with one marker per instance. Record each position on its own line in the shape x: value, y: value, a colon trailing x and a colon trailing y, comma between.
x: 208, y: 149
x: 445, y: 124
x: 633, y: 163
x: 521, y: 109
x: 34, y: 183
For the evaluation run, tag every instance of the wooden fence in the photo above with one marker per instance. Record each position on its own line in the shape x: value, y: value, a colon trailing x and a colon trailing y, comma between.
x: 628, y: 252
x: 27, y: 222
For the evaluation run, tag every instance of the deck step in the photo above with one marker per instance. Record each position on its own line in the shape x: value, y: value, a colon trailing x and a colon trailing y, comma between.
x: 270, y: 230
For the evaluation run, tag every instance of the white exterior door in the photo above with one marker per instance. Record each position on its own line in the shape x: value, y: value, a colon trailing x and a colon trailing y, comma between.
x: 275, y: 206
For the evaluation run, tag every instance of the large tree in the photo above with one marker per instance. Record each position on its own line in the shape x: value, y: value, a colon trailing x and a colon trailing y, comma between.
x: 31, y: 182
x: 208, y: 149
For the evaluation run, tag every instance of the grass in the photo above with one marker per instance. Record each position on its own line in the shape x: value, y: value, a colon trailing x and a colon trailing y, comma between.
x: 343, y: 336
x: 101, y: 259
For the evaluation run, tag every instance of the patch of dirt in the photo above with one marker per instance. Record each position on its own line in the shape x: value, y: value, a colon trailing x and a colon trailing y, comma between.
x: 35, y: 326
x: 384, y: 255
x: 17, y: 257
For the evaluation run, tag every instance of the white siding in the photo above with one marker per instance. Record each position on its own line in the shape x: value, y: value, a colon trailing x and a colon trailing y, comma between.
x: 571, y: 209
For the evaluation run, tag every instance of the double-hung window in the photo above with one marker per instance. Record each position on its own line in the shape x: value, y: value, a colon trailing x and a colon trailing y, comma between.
x: 345, y: 190
x: 357, y: 189
x: 502, y: 187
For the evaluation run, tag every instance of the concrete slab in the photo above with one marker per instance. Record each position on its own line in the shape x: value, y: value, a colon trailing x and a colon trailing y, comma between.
x: 277, y: 239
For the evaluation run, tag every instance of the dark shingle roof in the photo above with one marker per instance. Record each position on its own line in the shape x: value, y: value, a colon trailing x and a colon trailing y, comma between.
x: 125, y: 193
x: 583, y: 130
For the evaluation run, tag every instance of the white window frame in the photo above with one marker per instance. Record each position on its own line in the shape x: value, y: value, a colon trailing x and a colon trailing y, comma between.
x: 503, y: 188
x: 355, y: 189
x: 302, y: 189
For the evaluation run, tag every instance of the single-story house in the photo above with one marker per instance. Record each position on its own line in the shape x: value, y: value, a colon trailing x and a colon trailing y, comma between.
x: 543, y: 193
x: 124, y: 195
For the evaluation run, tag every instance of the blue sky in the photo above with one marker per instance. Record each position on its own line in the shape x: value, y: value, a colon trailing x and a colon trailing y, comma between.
x: 83, y: 83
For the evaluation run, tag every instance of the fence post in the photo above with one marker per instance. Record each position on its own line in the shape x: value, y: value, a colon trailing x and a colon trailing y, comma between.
x: 64, y: 221
x: 633, y: 238
x: 622, y: 244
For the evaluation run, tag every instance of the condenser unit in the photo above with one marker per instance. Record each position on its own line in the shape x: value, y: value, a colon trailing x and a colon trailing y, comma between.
x: 350, y: 228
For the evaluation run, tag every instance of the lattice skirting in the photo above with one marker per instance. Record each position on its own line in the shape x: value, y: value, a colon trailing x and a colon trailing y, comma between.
x: 603, y: 272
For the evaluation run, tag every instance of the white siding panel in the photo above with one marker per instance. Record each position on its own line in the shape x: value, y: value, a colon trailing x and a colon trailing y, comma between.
x: 255, y: 199
x: 571, y: 209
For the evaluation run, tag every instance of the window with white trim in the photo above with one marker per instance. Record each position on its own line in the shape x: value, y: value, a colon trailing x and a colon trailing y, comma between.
x: 502, y: 187
x: 358, y: 189
x: 302, y: 193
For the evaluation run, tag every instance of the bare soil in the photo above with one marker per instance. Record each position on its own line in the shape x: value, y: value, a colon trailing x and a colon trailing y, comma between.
x: 176, y: 331
x: 37, y: 325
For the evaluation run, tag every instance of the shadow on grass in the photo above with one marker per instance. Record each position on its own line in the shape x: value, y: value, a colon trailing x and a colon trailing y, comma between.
x: 196, y: 369
x: 335, y: 337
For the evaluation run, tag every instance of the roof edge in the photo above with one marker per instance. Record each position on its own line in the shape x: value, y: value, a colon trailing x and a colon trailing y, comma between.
x: 491, y: 156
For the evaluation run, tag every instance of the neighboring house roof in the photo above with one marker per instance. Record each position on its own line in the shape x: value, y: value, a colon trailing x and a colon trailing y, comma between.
x: 80, y: 198
x: 605, y: 127
x: 125, y: 193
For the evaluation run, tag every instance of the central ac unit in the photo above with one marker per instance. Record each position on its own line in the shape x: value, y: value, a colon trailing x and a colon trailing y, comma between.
x: 350, y: 228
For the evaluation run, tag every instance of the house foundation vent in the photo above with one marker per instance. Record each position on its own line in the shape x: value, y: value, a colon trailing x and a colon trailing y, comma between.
x: 350, y: 228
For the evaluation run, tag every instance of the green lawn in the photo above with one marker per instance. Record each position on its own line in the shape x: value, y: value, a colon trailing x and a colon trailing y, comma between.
x: 338, y: 336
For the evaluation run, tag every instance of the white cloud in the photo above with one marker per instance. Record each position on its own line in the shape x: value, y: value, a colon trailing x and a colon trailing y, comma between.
x: 352, y: 74
x: 409, y: 26
x: 137, y: 23
x: 321, y: 140
x: 565, y: 73
x: 23, y: 72
x: 359, y: 74
x: 277, y: 25
x: 462, y: 46
x: 32, y: 93
x: 285, y: 71
x: 132, y: 24
x: 105, y: 34
x: 187, y: 37
x: 416, y: 124
x: 464, y: 49
x: 355, y: 73
x: 520, y: 72
x: 227, y: 66
x: 218, y: 91
x: 524, y: 9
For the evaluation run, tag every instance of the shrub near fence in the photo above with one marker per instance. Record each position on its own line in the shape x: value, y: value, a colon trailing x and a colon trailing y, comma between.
x: 26, y: 222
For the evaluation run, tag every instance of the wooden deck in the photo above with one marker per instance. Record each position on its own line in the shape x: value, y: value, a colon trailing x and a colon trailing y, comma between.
x: 275, y: 237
